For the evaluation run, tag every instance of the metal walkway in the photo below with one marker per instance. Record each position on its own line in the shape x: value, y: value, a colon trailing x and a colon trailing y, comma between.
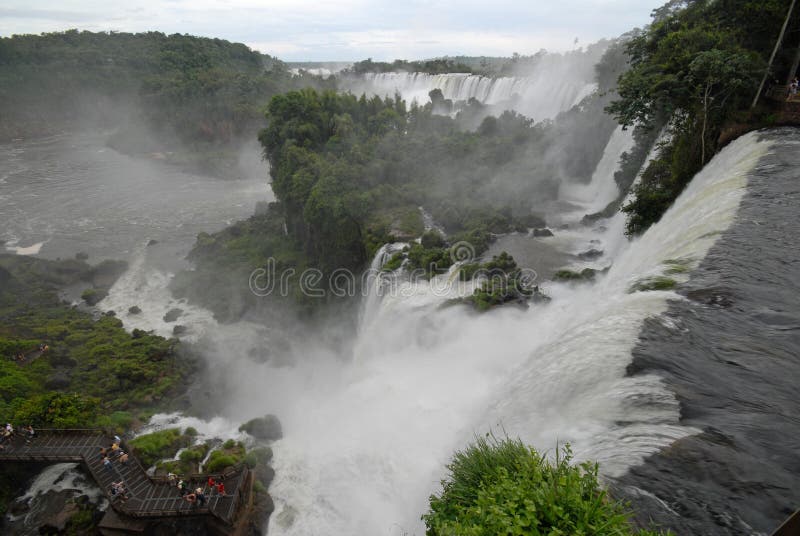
x: 148, y: 497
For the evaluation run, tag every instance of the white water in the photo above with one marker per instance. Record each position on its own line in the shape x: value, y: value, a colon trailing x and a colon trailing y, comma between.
x: 365, y: 443
x: 601, y: 189
x: 555, y: 84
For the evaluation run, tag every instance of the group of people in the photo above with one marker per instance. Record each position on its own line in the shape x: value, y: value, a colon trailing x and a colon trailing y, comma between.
x: 198, y: 496
x: 8, y: 433
x: 118, y: 491
x: 114, y: 452
x: 19, y: 357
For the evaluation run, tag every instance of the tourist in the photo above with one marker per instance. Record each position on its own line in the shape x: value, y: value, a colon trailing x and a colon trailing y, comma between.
x: 201, y: 497
x: 172, y: 478
x: 220, y: 488
x: 115, y: 449
x: 107, y: 463
x: 123, y: 457
x: 211, y: 482
x: 183, y: 487
x: 793, y: 89
x: 191, y: 498
x: 30, y: 432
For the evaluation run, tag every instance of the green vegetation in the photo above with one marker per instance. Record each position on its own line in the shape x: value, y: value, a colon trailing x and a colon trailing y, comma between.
x: 191, y: 99
x: 653, y: 283
x: 504, y: 487
x: 94, y: 373
x: 504, y: 283
x: 696, y: 68
x: 434, y: 66
x: 587, y: 274
x: 150, y: 448
x: 231, y: 454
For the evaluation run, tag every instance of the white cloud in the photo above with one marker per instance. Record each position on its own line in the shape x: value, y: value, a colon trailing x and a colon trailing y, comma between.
x: 348, y: 29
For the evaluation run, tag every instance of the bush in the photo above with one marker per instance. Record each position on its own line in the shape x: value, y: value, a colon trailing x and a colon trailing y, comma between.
x: 158, y: 445
x: 504, y: 487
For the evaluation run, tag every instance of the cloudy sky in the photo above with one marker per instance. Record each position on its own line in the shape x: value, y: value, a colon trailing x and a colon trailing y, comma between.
x: 327, y: 30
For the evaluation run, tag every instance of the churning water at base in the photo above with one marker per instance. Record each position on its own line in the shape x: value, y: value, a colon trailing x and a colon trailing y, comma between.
x: 365, y: 443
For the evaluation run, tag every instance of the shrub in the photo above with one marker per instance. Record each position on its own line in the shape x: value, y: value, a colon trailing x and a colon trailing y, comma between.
x: 158, y: 445
x: 504, y: 487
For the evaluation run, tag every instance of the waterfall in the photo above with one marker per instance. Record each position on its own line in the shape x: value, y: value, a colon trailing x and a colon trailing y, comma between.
x: 366, y: 443
x: 555, y: 83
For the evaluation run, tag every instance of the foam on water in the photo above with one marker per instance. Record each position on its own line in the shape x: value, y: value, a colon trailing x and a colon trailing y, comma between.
x: 365, y: 446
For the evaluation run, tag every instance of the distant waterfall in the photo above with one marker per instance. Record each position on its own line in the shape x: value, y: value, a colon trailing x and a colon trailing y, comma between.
x: 554, y: 84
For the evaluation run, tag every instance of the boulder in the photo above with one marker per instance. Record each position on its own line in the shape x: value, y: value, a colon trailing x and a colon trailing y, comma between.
x: 542, y: 232
x: 135, y: 310
x: 265, y: 428
x: 173, y: 314
x: 179, y: 330
x: 93, y: 296
x: 591, y: 254
x: 152, y: 243
x: 81, y: 256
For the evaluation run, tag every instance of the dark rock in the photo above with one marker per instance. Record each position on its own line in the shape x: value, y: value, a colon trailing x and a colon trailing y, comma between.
x: 152, y: 243
x: 173, y: 314
x: 590, y: 254
x: 542, y: 232
x: 266, y: 428
x: 111, y: 313
x: 19, y: 507
x: 135, y: 310
x: 265, y: 474
x: 82, y: 256
x: 179, y: 330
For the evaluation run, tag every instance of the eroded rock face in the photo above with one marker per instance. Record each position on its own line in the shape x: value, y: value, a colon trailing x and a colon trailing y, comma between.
x: 267, y: 428
x: 542, y: 232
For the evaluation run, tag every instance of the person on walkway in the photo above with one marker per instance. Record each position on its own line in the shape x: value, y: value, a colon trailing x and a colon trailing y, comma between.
x: 30, y: 432
x: 201, y: 497
x: 107, y: 463
x: 220, y: 488
x: 183, y: 487
x: 123, y: 457
x: 191, y: 498
x: 211, y: 483
x: 115, y: 449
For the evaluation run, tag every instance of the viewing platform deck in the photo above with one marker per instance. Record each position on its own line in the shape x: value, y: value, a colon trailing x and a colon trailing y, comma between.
x: 148, y: 497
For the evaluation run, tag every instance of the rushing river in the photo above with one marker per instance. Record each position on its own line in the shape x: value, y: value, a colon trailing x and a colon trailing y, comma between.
x: 70, y: 193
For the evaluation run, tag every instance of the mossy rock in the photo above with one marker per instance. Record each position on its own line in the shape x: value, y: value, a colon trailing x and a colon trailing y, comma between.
x: 150, y: 448
x: 653, y: 283
x: 93, y: 296
x: 231, y: 454
x: 267, y: 428
x: 173, y: 314
x: 135, y: 310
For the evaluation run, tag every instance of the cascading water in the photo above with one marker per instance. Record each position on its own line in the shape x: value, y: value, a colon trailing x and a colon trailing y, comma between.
x: 555, y: 84
x: 366, y: 442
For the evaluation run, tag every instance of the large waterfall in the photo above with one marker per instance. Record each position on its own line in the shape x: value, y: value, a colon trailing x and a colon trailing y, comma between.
x: 366, y: 442
x: 554, y: 84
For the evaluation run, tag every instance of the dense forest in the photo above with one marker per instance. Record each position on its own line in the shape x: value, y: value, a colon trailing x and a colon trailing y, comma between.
x: 695, y: 70
x: 161, y: 92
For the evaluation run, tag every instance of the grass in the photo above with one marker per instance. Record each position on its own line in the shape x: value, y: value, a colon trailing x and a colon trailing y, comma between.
x: 150, y: 448
x: 505, y: 487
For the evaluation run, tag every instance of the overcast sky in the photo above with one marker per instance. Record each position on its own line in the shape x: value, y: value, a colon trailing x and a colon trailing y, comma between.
x: 326, y: 30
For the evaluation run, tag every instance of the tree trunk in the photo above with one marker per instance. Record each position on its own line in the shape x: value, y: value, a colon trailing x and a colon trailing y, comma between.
x: 774, y: 52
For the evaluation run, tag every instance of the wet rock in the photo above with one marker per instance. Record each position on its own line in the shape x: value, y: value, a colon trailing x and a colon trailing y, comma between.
x: 173, y: 314
x: 152, y: 243
x: 179, y: 330
x: 532, y: 221
x: 266, y: 428
x: 542, y: 232
x: 81, y: 256
x: 93, y: 296
x: 135, y: 310
x: 591, y: 254
x: 105, y: 274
